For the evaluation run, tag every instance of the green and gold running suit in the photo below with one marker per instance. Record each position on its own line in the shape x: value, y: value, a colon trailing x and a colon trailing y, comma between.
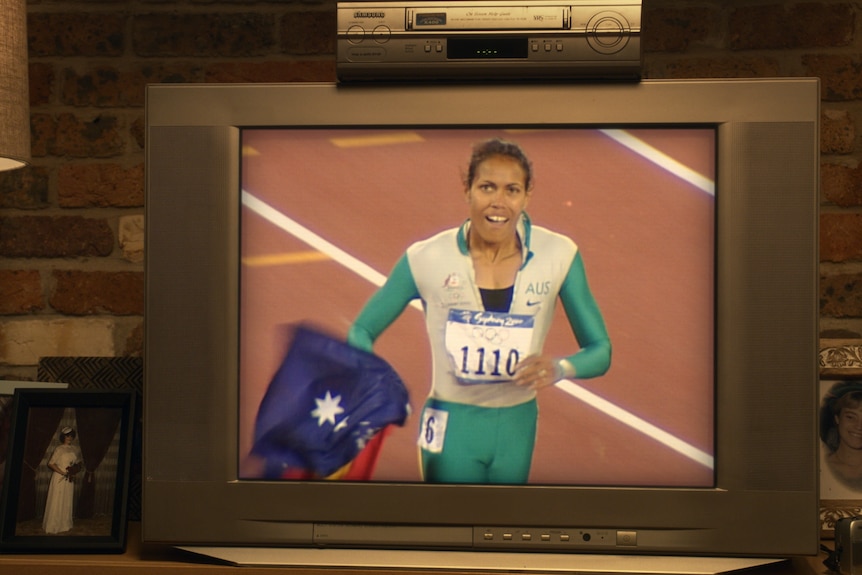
x: 478, y: 426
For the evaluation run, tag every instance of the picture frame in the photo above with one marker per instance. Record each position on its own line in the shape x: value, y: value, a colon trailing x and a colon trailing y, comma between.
x: 840, y: 363
x: 67, y: 472
x: 106, y: 374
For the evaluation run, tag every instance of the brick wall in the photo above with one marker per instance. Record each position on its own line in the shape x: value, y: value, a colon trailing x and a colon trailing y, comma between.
x: 71, y: 225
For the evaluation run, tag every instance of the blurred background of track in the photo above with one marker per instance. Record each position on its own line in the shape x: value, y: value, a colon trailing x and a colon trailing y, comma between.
x: 647, y: 240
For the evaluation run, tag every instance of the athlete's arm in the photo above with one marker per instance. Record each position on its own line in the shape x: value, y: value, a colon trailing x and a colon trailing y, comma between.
x: 588, y: 325
x: 384, y: 306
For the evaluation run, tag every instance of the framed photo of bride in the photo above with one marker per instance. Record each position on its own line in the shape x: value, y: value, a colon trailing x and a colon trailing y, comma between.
x: 67, y: 472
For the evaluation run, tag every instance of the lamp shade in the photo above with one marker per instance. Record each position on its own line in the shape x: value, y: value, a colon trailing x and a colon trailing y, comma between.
x: 14, y: 89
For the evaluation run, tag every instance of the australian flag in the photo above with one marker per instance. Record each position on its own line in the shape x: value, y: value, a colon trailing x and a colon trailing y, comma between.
x: 324, y: 405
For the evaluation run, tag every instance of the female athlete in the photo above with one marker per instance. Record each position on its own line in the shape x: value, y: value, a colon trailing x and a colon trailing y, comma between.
x: 489, y: 288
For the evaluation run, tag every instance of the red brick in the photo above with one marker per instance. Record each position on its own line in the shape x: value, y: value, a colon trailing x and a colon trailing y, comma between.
x: 68, y: 135
x: 676, y: 29
x: 41, y: 81
x: 54, y: 237
x: 108, y: 86
x: 82, y: 33
x: 79, y: 138
x: 43, y: 130
x: 841, y: 295
x: 723, y: 67
x: 26, y: 188
x: 308, y: 33
x: 841, y: 185
x: 87, y: 293
x: 137, y: 131
x: 840, y: 237
x: 100, y: 185
x: 228, y: 34
x: 289, y: 71
x: 20, y: 292
x: 837, y: 132
x: 787, y: 25
x: 840, y: 75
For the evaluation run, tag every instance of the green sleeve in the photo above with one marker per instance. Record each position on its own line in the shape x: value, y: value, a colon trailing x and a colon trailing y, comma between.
x: 384, y: 307
x: 588, y: 325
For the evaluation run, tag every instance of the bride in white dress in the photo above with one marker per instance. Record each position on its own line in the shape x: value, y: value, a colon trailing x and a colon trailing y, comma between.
x: 64, y: 462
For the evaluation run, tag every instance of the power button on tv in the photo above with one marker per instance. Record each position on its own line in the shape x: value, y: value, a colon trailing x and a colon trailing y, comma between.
x: 627, y: 538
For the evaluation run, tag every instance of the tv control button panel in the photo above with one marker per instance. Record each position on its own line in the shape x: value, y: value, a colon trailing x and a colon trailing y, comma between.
x: 554, y: 539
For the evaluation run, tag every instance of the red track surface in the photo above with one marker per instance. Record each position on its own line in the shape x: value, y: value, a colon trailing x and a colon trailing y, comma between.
x: 647, y: 241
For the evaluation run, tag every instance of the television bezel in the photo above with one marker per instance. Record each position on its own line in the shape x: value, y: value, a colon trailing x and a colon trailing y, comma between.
x: 766, y: 499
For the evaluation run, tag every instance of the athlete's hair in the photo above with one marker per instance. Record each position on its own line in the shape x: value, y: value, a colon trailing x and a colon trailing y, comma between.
x: 499, y: 147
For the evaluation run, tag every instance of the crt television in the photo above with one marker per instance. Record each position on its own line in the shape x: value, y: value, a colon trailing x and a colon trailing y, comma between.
x: 695, y: 206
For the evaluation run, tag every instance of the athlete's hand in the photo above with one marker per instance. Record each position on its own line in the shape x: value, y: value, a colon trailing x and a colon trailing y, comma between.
x: 538, y: 371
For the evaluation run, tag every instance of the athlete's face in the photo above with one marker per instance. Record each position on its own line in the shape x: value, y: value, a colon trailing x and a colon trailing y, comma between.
x: 849, y: 422
x: 497, y: 196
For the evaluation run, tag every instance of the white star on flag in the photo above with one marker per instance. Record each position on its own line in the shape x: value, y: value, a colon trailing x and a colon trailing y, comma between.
x: 327, y: 408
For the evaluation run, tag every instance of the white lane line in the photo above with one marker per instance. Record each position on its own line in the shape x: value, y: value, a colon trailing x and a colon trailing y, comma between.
x: 302, y: 233
x: 662, y: 160
x: 637, y: 423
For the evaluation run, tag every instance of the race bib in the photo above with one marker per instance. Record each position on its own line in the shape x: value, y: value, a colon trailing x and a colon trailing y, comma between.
x: 485, y: 346
x: 433, y: 431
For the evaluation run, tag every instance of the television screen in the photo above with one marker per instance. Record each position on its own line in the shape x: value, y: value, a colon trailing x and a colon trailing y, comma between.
x: 684, y: 215
x: 327, y: 212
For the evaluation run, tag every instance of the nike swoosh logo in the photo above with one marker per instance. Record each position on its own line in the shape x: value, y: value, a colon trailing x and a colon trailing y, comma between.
x: 532, y: 303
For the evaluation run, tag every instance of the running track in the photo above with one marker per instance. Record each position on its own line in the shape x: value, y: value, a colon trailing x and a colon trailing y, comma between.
x: 640, y: 206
